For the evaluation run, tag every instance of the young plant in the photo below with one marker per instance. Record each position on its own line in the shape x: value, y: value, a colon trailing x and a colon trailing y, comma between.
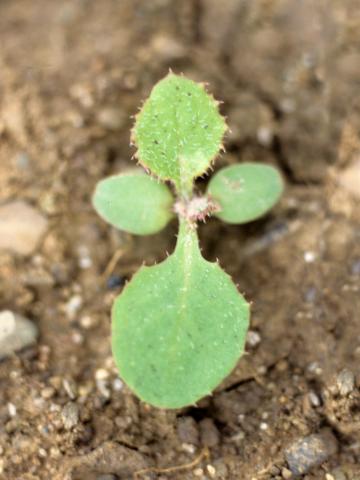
x: 179, y: 327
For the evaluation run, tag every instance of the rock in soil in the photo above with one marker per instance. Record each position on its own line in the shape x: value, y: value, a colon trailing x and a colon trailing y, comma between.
x: 209, y: 434
x: 345, y: 382
x: 21, y: 227
x: 16, y: 333
x: 70, y: 415
x: 311, y: 451
x: 106, y: 477
x: 187, y: 430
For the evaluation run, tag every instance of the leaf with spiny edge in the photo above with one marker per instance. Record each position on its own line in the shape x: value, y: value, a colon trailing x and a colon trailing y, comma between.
x: 136, y: 203
x: 179, y: 327
x: 245, y: 192
x: 178, y: 132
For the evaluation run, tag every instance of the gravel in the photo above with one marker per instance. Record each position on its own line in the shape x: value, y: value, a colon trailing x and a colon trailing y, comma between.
x: 16, y: 333
x: 70, y: 415
x: 21, y: 227
x: 309, y: 452
x: 345, y: 382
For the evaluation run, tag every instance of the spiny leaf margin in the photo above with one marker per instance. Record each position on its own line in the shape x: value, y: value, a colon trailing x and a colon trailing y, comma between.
x: 178, y: 131
x: 178, y: 328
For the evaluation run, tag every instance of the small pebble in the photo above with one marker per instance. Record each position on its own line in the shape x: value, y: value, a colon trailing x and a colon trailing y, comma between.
x: 253, y: 338
x: 70, y: 388
x: 314, y: 399
x: 274, y: 470
x: 198, y: 472
x: 309, y: 257
x: 310, y: 295
x: 285, y: 473
x: 101, y: 374
x: 117, y: 385
x: 115, y: 281
x: 211, y: 471
x: 16, y: 333
x: 187, y: 430
x: 265, y: 136
x: 21, y: 227
x: 355, y: 267
x: 106, y: 476
x: 209, y: 434
x: 73, y: 306
x: 48, y: 392
x: 77, y: 338
x: 12, y: 410
x: 70, y: 415
x: 310, y: 451
x: 111, y: 118
x: 345, y: 382
x: 42, y: 453
x: 338, y: 474
x: 87, y: 322
x: 314, y: 367
x: 167, y: 48
x: 188, y: 447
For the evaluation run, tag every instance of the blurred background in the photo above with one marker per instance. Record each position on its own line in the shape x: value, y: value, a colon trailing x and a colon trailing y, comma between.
x: 72, y: 74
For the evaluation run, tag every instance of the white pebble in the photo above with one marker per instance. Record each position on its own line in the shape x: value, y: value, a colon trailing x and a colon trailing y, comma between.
x: 253, y: 338
x: 73, y: 305
x: 16, y: 332
x: 101, y: 374
x: 309, y: 257
x: 118, y: 385
x: 211, y: 470
x: 12, y: 409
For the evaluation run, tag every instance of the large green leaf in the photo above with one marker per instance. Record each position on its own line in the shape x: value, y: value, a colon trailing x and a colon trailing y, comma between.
x: 179, y: 327
x: 136, y: 203
x: 179, y: 131
x: 246, y: 191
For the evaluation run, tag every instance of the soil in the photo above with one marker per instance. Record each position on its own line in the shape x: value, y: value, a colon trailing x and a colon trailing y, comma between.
x: 72, y: 74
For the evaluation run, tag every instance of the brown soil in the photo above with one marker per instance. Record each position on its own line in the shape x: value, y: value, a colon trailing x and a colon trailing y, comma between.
x: 71, y: 74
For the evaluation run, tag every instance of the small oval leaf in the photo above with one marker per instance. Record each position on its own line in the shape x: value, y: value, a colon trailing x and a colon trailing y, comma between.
x: 135, y: 203
x: 245, y: 192
x: 179, y: 131
x: 178, y: 328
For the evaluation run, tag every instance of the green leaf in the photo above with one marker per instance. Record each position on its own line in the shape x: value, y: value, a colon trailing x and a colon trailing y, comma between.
x: 179, y: 327
x: 245, y: 192
x: 136, y: 203
x: 179, y: 131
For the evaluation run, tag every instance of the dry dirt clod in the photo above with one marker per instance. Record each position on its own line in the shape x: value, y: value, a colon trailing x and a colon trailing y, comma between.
x: 187, y: 430
x: 21, y: 227
x: 16, y: 333
x: 108, y: 457
x: 209, y: 434
x: 311, y: 451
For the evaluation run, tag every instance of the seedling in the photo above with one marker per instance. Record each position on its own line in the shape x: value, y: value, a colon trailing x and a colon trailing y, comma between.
x: 179, y: 327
